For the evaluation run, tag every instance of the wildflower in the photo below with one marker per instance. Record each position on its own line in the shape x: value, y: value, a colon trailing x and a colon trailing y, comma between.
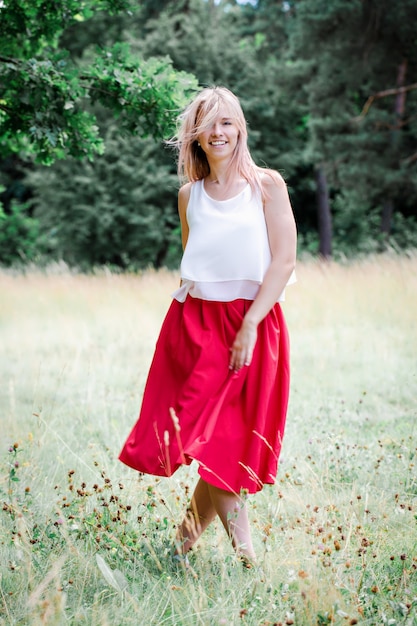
x: 175, y: 419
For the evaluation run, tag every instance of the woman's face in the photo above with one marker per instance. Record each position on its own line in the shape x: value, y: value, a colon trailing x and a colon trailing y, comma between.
x: 220, y: 139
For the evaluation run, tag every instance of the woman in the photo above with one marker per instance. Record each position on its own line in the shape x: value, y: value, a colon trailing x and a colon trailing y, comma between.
x: 218, y: 386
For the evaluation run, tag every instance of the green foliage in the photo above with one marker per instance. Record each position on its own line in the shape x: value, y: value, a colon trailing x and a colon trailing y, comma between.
x: 44, y: 92
x: 404, y: 233
x: 303, y: 71
x: 28, y: 28
x: 342, y: 53
x: 142, y: 96
x: 118, y: 210
x: 41, y: 114
x: 19, y: 235
x: 354, y: 234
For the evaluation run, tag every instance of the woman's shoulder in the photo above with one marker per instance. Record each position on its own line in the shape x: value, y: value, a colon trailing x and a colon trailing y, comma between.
x: 184, y: 196
x: 270, y: 178
x: 184, y: 191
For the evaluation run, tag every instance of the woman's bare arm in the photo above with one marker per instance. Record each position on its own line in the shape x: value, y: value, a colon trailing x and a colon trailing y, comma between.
x: 282, y: 236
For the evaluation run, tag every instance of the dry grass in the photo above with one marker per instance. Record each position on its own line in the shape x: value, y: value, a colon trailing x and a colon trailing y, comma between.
x: 336, y: 535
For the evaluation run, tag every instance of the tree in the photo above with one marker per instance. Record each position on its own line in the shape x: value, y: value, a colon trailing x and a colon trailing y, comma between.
x: 55, y: 87
x: 45, y: 95
x: 119, y: 209
x: 343, y: 52
x: 327, y: 90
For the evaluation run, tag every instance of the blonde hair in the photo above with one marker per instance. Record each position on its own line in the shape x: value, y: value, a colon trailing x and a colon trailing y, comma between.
x: 199, y: 116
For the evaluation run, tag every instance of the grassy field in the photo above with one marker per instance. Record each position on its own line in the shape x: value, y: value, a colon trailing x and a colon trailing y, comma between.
x: 85, y: 541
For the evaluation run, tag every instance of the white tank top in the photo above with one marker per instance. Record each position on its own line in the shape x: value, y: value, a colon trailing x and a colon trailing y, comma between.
x: 227, y: 251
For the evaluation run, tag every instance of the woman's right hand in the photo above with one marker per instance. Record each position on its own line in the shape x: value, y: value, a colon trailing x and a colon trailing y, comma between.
x: 243, y: 346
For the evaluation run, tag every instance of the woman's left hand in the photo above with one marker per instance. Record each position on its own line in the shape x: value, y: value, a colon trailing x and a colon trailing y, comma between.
x: 243, y: 346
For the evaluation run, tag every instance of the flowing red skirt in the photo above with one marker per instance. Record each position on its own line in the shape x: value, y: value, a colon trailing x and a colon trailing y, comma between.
x: 231, y: 423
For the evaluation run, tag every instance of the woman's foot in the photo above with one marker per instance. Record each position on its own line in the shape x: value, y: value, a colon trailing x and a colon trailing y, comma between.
x: 248, y: 562
x: 181, y: 559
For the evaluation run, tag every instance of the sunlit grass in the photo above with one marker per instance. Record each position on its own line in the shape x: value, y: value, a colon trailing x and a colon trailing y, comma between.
x: 336, y: 536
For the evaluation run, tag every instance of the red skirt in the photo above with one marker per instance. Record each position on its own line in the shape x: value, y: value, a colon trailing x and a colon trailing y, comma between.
x: 195, y: 407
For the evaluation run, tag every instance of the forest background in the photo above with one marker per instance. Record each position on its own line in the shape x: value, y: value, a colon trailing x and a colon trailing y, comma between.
x: 90, y: 91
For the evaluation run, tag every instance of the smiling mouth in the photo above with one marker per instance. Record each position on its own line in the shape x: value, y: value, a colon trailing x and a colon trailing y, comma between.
x: 218, y: 143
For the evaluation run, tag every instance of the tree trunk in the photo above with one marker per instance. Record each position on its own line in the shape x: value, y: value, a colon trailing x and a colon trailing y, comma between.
x: 386, y: 217
x: 399, y: 109
x: 401, y: 96
x: 324, y: 214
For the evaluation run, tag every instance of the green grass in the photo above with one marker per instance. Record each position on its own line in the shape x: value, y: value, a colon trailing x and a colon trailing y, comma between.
x: 85, y: 540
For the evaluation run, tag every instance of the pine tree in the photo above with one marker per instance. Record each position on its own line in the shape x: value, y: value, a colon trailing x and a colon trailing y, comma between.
x: 343, y: 53
x: 118, y: 210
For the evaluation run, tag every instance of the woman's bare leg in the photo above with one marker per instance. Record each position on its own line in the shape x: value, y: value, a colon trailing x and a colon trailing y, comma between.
x: 199, y: 515
x: 207, y: 502
x: 232, y: 510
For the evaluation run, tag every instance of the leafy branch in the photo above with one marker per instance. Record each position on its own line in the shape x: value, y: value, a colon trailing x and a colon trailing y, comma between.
x: 45, y: 97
